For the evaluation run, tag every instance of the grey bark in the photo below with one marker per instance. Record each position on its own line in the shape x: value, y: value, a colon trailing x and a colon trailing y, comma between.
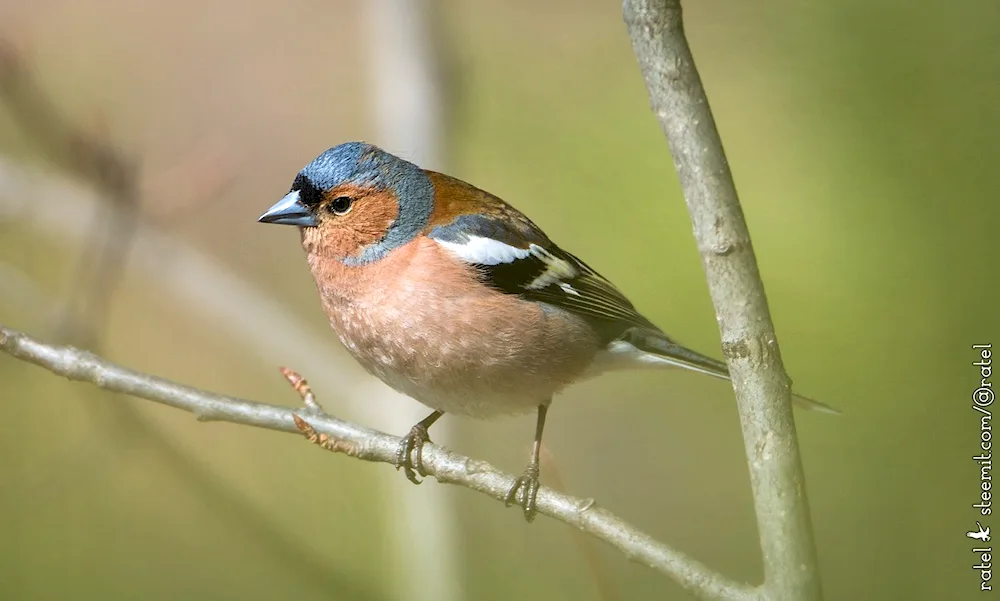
x: 763, y: 390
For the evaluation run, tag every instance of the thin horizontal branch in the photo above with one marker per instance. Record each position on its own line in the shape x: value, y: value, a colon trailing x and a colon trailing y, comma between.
x: 371, y: 445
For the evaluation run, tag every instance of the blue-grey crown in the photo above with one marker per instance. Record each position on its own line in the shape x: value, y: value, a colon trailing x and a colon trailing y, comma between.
x: 354, y: 162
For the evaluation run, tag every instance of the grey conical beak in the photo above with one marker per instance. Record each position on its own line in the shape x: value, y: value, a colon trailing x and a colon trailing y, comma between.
x: 289, y: 211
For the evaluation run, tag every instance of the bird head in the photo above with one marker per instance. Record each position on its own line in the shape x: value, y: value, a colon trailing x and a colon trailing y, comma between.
x: 355, y: 203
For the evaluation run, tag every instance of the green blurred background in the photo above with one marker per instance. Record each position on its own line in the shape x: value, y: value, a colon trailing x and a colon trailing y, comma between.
x: 862, y: 138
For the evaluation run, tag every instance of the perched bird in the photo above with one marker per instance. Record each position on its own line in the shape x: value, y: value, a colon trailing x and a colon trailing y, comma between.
x: 455, y: 298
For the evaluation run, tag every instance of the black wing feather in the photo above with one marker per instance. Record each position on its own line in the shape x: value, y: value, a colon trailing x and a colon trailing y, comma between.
x: 547, y: 274
x: 558, y: 278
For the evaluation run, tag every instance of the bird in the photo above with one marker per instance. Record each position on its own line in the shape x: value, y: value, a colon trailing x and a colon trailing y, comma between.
x: 456, y: 299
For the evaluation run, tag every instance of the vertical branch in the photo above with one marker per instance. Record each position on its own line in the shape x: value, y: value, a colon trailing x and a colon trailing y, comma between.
x: 409, y: 120
x: 748, y: 339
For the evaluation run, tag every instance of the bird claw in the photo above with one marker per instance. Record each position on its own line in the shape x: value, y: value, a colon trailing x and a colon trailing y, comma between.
x: 524, y: 491
x: 410, y: 455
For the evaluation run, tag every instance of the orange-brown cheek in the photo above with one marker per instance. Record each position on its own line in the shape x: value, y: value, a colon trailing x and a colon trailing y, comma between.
x: 372, y: 218
x: 366, y: 224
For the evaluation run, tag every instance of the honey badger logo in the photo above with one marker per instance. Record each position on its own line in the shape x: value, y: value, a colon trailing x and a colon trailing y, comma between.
x: 983, y: 534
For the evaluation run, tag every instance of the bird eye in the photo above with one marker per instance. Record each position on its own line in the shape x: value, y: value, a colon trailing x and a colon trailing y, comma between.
x: 341, y: 205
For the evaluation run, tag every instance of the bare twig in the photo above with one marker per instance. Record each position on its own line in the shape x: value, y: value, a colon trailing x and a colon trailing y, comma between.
x: 302, y: 387
x: 748, y: 339
x: 371, y: 445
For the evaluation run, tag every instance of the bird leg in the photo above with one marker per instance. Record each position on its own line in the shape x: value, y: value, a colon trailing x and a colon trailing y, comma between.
x: 409, y: 454
x: 525, y: 488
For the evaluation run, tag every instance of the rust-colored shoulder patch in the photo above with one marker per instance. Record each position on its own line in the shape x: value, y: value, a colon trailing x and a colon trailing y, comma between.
x: 454, y: 198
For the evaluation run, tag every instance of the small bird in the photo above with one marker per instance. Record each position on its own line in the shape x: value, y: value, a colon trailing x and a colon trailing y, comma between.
x: 453, y: 297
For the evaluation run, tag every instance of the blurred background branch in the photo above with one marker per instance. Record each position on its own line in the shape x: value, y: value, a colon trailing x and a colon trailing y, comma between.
x: 109, y: 225
x: 362, y: 443
x: 91, y: 158
x: 407, y: 49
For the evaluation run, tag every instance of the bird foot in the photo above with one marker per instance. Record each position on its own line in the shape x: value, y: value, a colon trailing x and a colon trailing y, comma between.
x: 409, y: 454
x: 524, y: 491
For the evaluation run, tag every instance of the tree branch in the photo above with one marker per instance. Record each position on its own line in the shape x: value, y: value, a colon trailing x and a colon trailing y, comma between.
x: 371, y: 445
x: 762, y: 387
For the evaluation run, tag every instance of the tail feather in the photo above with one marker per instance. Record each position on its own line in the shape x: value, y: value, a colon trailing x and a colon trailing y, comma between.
x: 674, y: 354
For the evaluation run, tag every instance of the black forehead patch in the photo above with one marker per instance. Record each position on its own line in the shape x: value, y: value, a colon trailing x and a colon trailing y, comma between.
x: 309, y: 194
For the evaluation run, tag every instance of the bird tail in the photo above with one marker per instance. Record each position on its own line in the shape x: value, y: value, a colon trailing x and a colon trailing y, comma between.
x: 668, y: 352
